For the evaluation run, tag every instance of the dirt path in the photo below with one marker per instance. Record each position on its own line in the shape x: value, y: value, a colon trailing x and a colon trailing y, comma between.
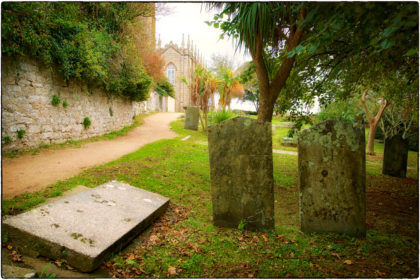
x: 29, y: 173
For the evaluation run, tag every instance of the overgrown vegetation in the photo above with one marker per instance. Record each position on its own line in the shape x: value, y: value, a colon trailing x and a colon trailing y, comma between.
x: 183, y: 243
x: 88, y: 42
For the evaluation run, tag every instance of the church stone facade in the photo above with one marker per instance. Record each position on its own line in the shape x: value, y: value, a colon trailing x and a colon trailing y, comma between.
x: 180, y: 61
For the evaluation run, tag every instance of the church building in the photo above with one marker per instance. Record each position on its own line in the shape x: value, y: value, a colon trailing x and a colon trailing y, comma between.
x: 180, y: 61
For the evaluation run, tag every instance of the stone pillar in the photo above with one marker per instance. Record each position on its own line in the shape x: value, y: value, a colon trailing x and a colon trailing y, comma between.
x: 241, y: 173
x: 332, y: 178
x: 192, y: 115
x: 395, y: 156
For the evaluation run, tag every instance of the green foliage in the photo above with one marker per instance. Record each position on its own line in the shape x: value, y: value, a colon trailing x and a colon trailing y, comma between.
x: 5, y: 237
x: 7, y: 140
x: 86, y: 122
x: 20, y: 133
x: 55, y: 100
x: 340, y: 110
x: 83, y: 41
x: 65, y: 104
x: 165, y: 88
x: 219, y: 116
x: 111, y: 113
x: 44, y: 274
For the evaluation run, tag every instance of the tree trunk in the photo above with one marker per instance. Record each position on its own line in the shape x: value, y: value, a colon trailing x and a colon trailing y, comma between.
x: 373, y: 122
x: 371, y: 138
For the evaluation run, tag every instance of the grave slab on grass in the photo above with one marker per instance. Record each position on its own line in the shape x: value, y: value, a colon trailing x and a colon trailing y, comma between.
x: 86, y: 228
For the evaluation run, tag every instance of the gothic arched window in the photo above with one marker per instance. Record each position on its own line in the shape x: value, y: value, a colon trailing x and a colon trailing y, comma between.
x: 171, y: 73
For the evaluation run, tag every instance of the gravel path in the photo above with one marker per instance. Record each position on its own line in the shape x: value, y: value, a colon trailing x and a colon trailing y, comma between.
x: 29, y: 173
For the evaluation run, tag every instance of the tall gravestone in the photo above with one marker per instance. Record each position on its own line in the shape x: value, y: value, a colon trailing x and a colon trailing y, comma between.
x: 332, y: 178
x: 192, y: 116
x: 241, y: 173
x: 395, y: 156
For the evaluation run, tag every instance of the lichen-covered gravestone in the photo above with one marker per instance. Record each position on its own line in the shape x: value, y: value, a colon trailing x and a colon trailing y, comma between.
x: 84, y: 229
x: 332, y: 178
x: 192, y: 115
x: 395, y: 157
x: 241, y: 173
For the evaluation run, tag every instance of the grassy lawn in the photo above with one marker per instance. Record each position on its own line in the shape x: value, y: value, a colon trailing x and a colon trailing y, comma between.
x: 183, y: 243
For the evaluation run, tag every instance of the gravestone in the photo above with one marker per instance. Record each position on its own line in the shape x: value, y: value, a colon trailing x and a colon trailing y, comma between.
x: 192, y: 116
x: 288, y: 142
x: 84, y: 229
x: 332, y: 178
x: 241, y: 173
x: 395, y: 157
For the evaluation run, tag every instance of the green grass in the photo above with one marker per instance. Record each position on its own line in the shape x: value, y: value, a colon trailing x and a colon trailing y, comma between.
x: 186, y: 240
x: 138, y: 120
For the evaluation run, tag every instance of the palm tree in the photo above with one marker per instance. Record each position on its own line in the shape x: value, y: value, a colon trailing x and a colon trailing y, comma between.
x: 258, y: 25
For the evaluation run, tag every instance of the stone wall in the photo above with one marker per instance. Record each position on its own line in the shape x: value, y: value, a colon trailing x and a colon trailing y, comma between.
x: 27, y: 92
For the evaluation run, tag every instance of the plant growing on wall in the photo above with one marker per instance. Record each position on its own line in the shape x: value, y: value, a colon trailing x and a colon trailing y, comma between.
x: 7, y: 140
x: 85, y: 41
x: 86, y: 122
x: 65, y: 104
x: 55, y: 100
x: 111, y: 113
x: 20, y: 133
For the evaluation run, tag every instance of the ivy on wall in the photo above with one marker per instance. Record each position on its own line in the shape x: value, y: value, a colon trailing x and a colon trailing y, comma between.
x: 84, y: 41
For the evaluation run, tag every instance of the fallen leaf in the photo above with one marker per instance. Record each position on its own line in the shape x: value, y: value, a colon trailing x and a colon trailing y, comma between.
x: 16, y: 257
x: 172, y: 270
x: 10, y: 247
x: 58, y: 263
x: 336, y: 255
x: 265, y: 237
x: 154, y: 238
x: 131, y: 257
x: 348, y: 262
x: 380, y: 274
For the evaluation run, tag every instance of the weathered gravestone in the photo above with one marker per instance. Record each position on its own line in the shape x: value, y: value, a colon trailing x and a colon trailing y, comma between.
x: 85, y: 228
x: 332, y: 178
x: 192, y: 116
x: 395, y: 156
x: 288, y: 142
x: 241, y: 173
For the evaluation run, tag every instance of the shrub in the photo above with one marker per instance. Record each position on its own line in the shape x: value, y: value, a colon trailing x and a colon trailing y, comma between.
x: 165, y: 88
x: 7, y: 140
x: 20, y: 133
x: 55, y: 100
x: 85, y: 41
x: 340, y: 110
x: 86, y: 122
x: 219, y: 116
x: 65, y: 104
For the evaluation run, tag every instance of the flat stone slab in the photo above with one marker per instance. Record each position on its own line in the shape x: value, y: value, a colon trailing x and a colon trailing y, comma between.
x: 86, y: 228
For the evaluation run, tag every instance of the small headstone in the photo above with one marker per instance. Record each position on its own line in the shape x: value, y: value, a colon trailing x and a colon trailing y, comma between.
x: 395, y: 157
x: 192, y: 116
x: 288, y: 142
x: 241, y: 173
x: 86, y: 228
x: 332, y: 178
